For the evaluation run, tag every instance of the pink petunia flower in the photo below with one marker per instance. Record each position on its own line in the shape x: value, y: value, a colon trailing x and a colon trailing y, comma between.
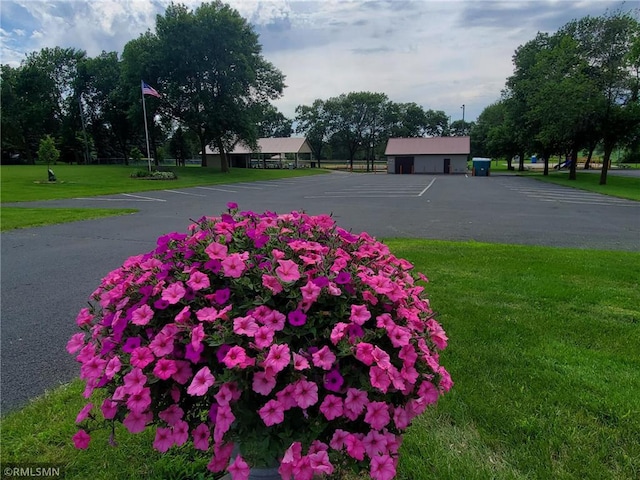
x: 216, y: 251
x: 233, y: 266
x: 245, y: 326
x: 164, y: 439
x: 183, y: 372
x: 164, y: 368
x: 239, y: 469
x: 354, y: 446
x: 75, y: 343
x: 263, y: 337
x: 399, y: 336
x: 84, y: 413
x: 142, y: 315
x: 237, y: 356
x: 300, y: 362
x: 201, y: 382
x: 141, y: 357
x: 263, y: 383
x: 109, y: 409
x: 310, y: 292
x: 207, y: 314
x: 331, y: 407
x: 184, y: 315
x: 81, y: 440
x: 92, y: 368
x: 288, y: 271
x: 338, y: 438
x: 438, y: 336
x: 174, y: 293
x: 198, y: 281
x: 134, y: 381
x: 338, y: 332
x: 324, y: 358
x: 359, y: 314
x: 355, y: 401
x: 272, y: 283
x: 224, y: 419
x: 139, y: 401
x: 305, y: 393
x: 379, y: 379
x: 172, y: 414
x: 374, y: 443
x: 382, y: 468
x: 377, y: 415
x: 161, y: 345
x: 113, y: 366
x: 278, y: 357
x: 180, y: 431
x: 197, y: 335
x: 201, y: 435
x: 136, y: 422
x: 364, y: 353
x: 272, y: 413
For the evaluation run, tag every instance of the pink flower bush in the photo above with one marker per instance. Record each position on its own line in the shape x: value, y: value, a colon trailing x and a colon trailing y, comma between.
x: 283, y: 331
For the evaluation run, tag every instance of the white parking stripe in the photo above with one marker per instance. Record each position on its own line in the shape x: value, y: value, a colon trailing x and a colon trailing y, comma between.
x: 113, y: 199
x: 145, y: 198
x: 427, y: 187
x: 185, y: 193
x: 217, y: 189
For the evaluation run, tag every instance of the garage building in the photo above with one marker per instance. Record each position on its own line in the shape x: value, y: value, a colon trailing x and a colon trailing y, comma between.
x: 428, y: 155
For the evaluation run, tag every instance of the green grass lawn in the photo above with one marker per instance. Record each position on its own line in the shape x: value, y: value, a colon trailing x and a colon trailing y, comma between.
x: 543, y: 350
x: 617, y: 186
x: 18, y: 217
x: 24, y: 183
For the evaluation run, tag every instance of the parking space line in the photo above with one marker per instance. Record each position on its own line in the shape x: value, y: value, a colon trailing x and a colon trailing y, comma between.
x: 185, y: 193
x: 427, y: 187
x: 114, y: 199
x: 151, y: 199
x: 217, y: 189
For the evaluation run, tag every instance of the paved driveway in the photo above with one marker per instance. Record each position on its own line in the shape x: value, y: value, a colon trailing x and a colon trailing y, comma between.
x: 49, y: 272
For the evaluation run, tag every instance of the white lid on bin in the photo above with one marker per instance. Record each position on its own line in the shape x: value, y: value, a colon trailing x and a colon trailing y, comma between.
x: 481, y: 159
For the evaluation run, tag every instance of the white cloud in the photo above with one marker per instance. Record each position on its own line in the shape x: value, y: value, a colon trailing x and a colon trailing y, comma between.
x: 440, y: 54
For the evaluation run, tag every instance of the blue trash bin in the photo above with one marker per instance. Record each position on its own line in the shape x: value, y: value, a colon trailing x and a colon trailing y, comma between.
x: 481, y: 167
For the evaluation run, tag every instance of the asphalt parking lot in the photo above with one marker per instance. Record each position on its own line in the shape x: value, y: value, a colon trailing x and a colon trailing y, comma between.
x: 49, y: 272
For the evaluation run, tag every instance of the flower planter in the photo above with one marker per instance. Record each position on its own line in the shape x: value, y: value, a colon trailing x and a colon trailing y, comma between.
x: 287, y: 333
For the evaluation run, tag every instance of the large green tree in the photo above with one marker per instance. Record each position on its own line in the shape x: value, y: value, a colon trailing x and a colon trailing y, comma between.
x: 208, y: 65
x: 313, y: 122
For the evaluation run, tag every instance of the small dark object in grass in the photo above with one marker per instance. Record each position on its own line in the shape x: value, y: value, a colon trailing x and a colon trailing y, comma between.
x: 52, y: 176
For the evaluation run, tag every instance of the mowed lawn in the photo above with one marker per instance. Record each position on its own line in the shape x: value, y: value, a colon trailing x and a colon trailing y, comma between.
x: 24, y: 183
x: 543, y: 350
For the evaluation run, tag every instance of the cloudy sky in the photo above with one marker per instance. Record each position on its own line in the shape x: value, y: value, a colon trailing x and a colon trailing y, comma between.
x: 439, y: 54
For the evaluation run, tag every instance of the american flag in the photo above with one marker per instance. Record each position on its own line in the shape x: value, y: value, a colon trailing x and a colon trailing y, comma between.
x: 149, y: 90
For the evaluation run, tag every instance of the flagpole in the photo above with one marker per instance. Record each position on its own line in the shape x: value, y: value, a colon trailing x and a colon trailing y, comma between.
x: 146, y: 129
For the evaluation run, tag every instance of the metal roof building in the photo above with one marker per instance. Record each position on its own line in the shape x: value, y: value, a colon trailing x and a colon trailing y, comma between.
x: 428, y: 155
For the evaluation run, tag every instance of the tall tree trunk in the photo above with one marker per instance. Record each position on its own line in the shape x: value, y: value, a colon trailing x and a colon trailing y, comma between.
x: 203, y: 151
x: 545, y: 157
x: 224, y: 164
x: 521, y: 162
x: 574, y: 163
x: 587, y: 164
x: 608, y: 148
x: 509, y: 162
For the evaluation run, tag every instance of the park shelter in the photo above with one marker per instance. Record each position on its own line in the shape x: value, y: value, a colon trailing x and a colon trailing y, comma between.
x: 280, y: 152
x: 428, y: 155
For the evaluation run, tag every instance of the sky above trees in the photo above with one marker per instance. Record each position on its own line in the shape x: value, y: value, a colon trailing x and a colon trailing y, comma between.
x: 438, y: 54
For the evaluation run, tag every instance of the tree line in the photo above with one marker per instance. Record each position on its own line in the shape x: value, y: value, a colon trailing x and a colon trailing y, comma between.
x: 571, y: 91
x: 216, y: 90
